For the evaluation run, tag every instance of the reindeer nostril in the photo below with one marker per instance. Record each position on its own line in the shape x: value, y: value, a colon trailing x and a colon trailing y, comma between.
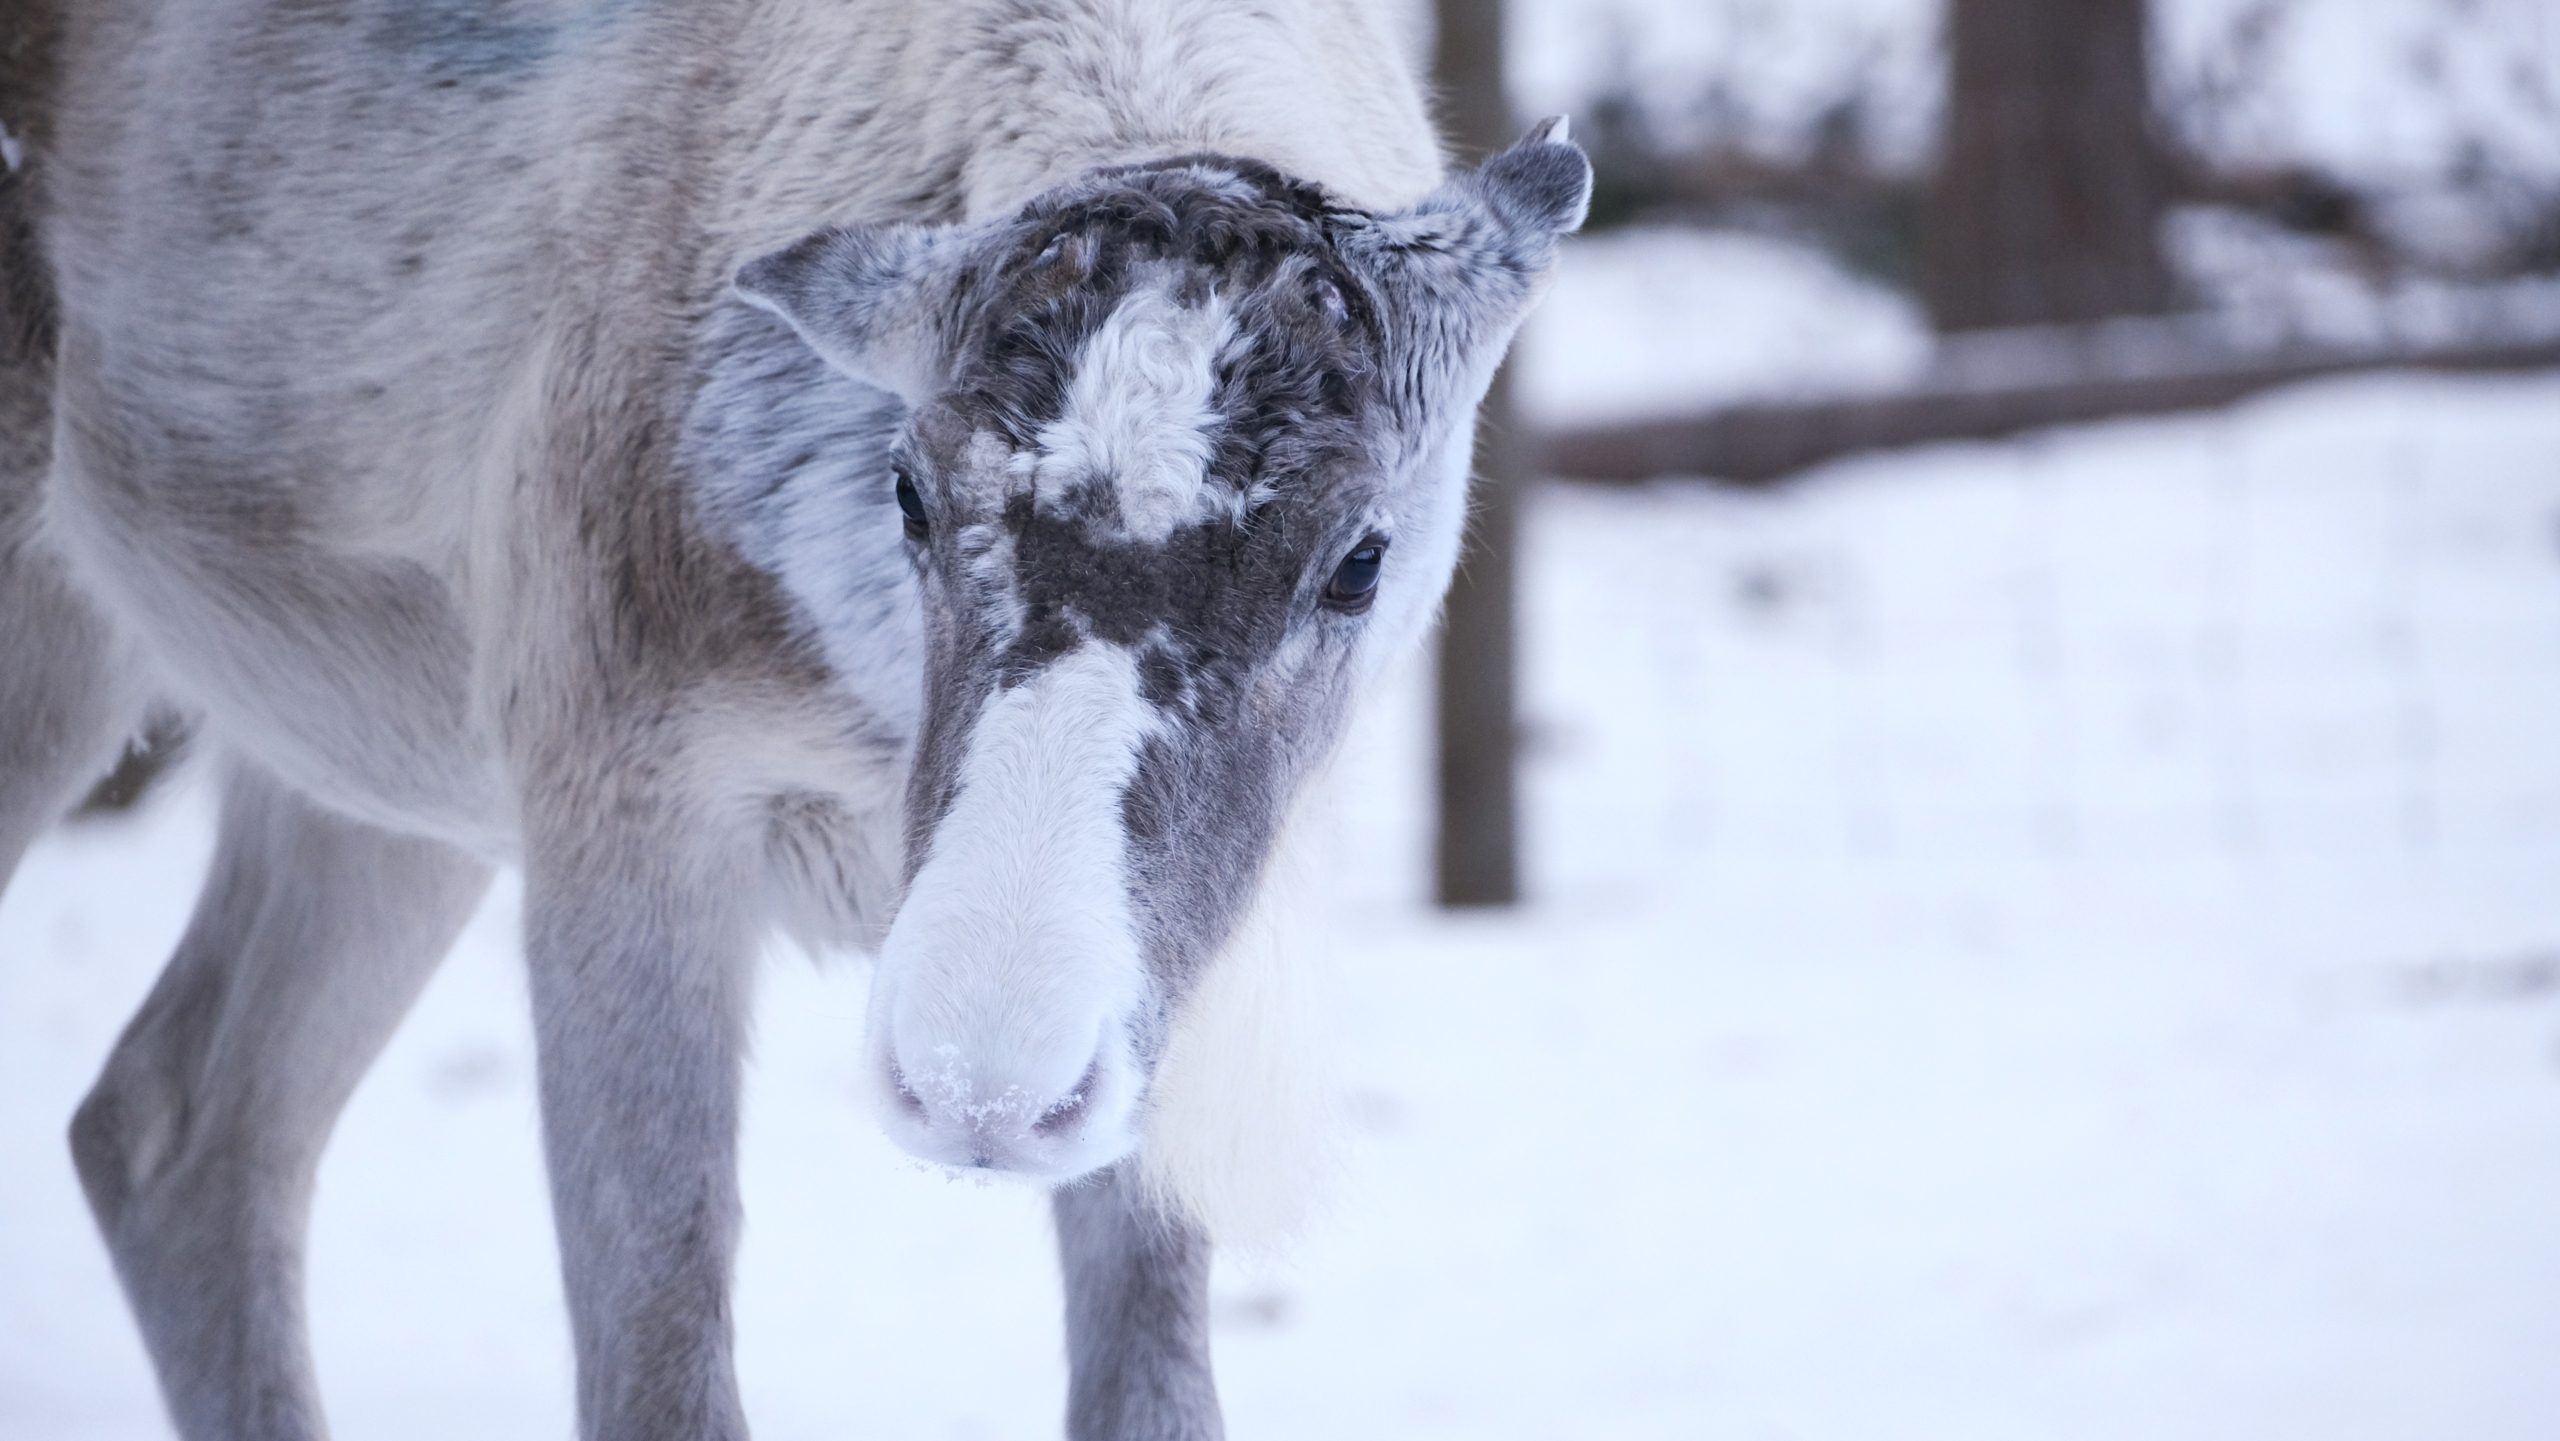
x: 908, y: 1100
x: 1070, y: 1107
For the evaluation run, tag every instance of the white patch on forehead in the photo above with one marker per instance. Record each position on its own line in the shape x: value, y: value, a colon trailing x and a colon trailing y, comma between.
x: 983, y: 455
x: 1137, y: 415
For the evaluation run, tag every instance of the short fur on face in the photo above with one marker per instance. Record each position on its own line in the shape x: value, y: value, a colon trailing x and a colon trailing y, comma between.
x: 1150, y: 416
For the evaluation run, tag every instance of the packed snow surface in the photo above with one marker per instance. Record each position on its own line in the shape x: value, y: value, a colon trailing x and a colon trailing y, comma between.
x: 2050, y: 939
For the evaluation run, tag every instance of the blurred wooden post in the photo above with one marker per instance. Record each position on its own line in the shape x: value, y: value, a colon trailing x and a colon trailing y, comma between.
x: 1478, y: 854
x: 2050, y: 187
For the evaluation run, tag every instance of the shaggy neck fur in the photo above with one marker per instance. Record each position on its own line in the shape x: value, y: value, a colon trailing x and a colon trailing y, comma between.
x: 963, y: 111
x: 1094, y: 82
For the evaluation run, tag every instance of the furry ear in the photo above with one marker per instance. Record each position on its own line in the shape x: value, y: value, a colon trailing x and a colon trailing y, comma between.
x: 874, y: 300
x: 1542, y: 184
x: 1458, y: 272
x: 1501, y: 219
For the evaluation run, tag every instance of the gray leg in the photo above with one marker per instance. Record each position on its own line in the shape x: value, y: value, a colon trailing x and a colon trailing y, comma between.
x: 1137, y: 1319
x: 65, y: 702
x: 639, y: 951
x: 198, y: 1144
x: 68, y: 699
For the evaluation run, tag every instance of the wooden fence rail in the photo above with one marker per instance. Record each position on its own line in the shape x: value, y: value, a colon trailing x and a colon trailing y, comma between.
x: 1989, y: 387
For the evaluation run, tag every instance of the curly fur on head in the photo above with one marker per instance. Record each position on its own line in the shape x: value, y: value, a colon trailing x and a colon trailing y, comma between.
x: 1151, y: 413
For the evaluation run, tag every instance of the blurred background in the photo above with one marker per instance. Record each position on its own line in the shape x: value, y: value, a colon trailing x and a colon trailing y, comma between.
x: 1981, y: 856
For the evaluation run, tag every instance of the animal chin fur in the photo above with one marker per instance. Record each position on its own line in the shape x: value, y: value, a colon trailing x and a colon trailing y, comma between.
x: 1241, y: 1135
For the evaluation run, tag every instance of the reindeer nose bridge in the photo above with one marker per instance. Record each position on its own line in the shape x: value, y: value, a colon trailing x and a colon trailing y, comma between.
x: 1009, y: 981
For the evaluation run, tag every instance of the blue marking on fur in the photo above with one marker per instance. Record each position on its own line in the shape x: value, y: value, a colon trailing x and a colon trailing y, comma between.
x: 480, y: 40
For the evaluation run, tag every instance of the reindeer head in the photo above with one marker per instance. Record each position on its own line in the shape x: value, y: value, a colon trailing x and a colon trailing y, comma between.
x: 1184, y: 464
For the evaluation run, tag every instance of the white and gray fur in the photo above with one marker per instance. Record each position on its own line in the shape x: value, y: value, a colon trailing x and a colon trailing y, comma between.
x: 487, y: 417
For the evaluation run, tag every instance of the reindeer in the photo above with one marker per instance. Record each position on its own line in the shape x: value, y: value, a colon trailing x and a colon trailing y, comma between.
x: 930, y: 479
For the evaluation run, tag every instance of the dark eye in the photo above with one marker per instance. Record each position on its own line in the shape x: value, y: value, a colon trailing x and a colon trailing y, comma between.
x: 911, y: 505
x: 1355, y: 581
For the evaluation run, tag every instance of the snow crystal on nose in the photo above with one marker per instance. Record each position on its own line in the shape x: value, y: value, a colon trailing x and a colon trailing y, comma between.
x: 946, y: 1086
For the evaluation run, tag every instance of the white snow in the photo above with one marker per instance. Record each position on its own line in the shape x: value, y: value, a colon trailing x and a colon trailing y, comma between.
x: 1759, y: 72
x: 2384, y: 88
x: 2380, y: 89
x: 2253, y: 280
x: 1655, y: 321
x: 1660, y: 321
x: 2050, y: 939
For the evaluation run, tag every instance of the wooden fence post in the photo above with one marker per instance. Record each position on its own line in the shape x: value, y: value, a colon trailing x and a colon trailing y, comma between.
x: 2050, y: 184
x: 1477, y: 852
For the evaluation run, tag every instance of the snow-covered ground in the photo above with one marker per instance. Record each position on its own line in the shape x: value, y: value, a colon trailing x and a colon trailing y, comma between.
x: 2050, y: 939
x: 1660, y: 320
x: 2381, y: 89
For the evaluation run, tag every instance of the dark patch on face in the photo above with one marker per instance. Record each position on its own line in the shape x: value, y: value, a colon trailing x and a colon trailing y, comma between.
x: 1206, y: 801
x: 1162, y: 678
x: 1292, y: 398
x: 1047, y: 633
x: 1265, y: 243
x: 1212, y: 583
x: 1206, y: 610
x: 1205, y: 614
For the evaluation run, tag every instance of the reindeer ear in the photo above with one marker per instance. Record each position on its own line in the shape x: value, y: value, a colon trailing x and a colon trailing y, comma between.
x: 1457, y: 273
x: 1541, y: 185
x: 874, y: 300
x: 1491, y: 231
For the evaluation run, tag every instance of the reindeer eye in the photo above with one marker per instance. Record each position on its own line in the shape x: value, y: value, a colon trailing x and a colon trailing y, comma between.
x: 1355, y: 581
x: 911, y: 505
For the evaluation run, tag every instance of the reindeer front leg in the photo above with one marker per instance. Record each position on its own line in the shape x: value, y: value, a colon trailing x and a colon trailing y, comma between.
x: 639, y: 948
x: 1137, y: 1317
